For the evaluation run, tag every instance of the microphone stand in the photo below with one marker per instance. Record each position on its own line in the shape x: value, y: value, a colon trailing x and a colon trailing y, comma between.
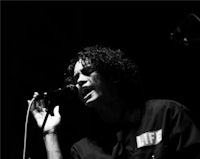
x: 48, y: 112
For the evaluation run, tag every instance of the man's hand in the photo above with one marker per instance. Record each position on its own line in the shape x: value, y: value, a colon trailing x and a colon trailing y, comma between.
x: 39, y: 112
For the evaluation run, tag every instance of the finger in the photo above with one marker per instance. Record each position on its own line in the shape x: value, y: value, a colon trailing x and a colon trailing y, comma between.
x: 38, y: 114
x: 56, y: 111
x: 34, y: 112
x: 44, y: 109
x: 42, y: 103
x: 29, y: 102
x: 36, y: 106
x: 35, y: 94
x: 31, y: 106
x: 39, y: 104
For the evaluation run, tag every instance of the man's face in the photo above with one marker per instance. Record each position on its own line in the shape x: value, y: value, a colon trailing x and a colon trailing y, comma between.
x: 89, y: 83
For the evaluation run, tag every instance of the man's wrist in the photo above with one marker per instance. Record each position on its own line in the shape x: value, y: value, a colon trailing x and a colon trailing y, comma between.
x: 48, y: 132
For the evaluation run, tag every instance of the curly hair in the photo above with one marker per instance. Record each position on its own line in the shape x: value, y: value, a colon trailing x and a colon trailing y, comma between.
x: 108, y: 62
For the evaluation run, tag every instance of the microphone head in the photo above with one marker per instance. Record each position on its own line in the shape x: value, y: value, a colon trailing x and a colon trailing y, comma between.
x: 67, y: 92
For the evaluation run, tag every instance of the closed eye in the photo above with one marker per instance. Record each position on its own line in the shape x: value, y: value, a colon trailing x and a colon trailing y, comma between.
x: 87, y: 71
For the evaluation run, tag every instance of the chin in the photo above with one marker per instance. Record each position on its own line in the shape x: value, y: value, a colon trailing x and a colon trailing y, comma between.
x: 89, y: 104
x: 92, y: 102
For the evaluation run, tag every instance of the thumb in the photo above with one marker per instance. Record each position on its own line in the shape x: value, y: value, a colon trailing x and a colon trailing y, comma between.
x: 28, y: 101
x: 56, y: 111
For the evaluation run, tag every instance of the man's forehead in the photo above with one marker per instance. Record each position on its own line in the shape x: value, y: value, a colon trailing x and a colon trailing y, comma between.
x: 80, y: 64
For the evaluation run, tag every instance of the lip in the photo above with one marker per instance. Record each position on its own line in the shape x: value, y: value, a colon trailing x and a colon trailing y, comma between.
x: 88, y: 95
x: 86, y: 91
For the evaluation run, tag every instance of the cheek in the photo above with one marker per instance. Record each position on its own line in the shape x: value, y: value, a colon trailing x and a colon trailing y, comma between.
x: 96, y: 81
x: 100, y: 88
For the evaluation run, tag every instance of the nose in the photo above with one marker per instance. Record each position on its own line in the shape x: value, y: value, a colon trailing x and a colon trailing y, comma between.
x: 82, y: 79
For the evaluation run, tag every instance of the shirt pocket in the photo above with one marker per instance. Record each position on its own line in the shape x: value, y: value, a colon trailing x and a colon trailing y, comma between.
x: 159, y: 151
x: 144, y: 153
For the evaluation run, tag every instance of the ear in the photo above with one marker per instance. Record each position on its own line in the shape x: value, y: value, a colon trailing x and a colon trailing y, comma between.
x: 114, y: 80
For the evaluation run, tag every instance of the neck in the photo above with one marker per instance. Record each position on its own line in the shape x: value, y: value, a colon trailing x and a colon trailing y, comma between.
x: 115, y: 113
x: 111, y: 112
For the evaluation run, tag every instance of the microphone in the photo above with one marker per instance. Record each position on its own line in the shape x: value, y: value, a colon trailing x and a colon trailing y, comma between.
x: 59, y: 94
x: 53, y: 98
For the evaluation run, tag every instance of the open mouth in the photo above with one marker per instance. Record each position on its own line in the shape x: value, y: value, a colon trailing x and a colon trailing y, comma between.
x: 86, y: 91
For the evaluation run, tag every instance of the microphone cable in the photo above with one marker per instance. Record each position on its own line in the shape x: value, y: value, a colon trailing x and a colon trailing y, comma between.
x: 54, y: 95
x: 26, y: 125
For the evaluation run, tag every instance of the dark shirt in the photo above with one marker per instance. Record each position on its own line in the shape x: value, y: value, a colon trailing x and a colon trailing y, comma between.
x: 166, y: 131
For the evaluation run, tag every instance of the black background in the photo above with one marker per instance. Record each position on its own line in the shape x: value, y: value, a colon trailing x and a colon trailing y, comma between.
x: 38, y: 39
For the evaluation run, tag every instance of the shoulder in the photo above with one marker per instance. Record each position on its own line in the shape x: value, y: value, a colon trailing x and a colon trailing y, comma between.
x: 160, y: 106
x: 164, y: 103
x: 161, y: 114
x: 169, y: 112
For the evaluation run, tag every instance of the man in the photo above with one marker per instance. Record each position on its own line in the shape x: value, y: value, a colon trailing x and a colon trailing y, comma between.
x: 109, y: 84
